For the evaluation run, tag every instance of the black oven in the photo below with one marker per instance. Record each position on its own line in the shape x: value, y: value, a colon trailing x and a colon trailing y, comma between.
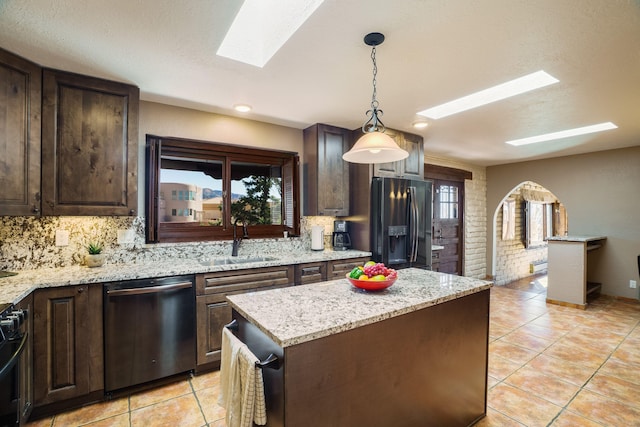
x: 13, y: 339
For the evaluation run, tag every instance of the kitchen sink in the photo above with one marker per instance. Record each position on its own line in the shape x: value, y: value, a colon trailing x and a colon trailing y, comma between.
x: 235, y: 260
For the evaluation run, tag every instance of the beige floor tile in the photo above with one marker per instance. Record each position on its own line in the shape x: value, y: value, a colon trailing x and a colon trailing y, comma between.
x: 525, y: 339
x: 496, y: 419
x: 603, y: 410
x: 498, y: 330
x: 569, y: 371
x: 522, y: 406
x: 544, y: 386
x: 91, y: 413
x: 491, y: 381
x: 208, y: 399
x: 571, y: 353
x: 182, y: 411
x: 207, y: 380
x: 628, y: 352
x: 512, y: 352
x: 117, y: 421
x: 615, y: 388
x: 617, y: 368
x: 569, y: 419
x: 166, y: 392
x: 500, y: 368
x: 542, y: 332
x: 42, y: 422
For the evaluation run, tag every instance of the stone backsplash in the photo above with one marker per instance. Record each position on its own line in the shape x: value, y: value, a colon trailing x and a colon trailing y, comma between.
x: 28, y: 243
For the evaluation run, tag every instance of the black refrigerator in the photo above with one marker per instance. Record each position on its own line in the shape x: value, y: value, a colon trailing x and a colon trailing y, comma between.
x: 400, y: 222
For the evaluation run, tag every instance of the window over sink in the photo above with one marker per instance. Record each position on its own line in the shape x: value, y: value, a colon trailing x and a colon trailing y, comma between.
x: 198, y: 190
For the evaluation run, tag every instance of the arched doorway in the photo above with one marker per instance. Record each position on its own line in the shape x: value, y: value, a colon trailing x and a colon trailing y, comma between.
x: 524, y: 219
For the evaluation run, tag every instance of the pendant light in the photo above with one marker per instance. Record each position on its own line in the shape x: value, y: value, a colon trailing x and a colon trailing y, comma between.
x: 374, y: 146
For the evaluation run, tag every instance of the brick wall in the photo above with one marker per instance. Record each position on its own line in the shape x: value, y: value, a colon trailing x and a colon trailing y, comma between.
x: 512, y: 258
x: 475, y: 216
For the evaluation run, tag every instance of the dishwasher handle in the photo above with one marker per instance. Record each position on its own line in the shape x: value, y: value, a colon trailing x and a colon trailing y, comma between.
x: 149, y: 290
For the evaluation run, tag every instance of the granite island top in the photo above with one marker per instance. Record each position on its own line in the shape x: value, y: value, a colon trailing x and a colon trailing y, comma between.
x: 14, y: 288
x: 576, y: 238
x: 295, y: 315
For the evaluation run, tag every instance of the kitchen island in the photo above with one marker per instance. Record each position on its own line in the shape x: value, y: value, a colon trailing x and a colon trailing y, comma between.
x: 414, y: 354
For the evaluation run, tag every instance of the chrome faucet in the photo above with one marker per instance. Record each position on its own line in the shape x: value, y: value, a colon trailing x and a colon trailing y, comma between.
x: 237, y: 240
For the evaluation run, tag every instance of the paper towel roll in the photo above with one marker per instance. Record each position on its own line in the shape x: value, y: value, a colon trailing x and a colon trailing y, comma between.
x: 317, y: 238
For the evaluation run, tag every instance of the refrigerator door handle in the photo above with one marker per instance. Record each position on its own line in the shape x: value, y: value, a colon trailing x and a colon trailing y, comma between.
x: 414, y: 226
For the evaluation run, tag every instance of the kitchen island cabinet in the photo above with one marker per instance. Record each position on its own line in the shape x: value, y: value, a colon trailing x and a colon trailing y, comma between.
x: 414, y: 354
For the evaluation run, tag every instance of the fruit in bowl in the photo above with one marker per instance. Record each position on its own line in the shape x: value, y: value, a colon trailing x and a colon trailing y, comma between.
x: 373, y: 276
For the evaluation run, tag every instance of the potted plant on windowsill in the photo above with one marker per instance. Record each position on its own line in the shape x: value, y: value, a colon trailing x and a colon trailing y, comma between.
x: 95, y: 257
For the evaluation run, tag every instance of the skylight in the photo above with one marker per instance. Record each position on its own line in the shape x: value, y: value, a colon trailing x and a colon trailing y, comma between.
x: 262, y: 27
x: 496, y: 93
x: 563, y: 134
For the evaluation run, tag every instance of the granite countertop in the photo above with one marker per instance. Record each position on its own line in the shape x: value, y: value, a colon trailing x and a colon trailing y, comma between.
x: 14, y: 288
x: 576, y: 238
x: 298, y: 314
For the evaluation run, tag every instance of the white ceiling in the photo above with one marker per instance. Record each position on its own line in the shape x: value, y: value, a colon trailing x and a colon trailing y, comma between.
x: 435, y: 51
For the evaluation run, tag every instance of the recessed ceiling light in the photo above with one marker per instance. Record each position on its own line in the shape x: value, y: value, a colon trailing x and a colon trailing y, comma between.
x: 563, y: 134
x: 496, y: 93
x: 243, y: 108
x: 261, y: 27
x: 420, y: 124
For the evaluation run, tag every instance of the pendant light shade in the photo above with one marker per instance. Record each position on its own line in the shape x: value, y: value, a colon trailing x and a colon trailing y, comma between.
x: 374, y: 146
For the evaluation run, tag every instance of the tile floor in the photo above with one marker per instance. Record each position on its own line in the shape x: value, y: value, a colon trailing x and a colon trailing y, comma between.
x: 548, y: 365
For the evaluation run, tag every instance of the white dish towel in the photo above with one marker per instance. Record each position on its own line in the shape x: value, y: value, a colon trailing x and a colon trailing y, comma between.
x: 241, y: 384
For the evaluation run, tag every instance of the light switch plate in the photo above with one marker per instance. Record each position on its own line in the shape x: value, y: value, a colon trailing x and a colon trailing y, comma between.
x: 62, y: 238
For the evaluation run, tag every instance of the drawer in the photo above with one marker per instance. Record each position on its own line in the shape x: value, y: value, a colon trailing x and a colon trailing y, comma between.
x: 339, y: 268
x: 310, y: 273
x: 229, y: 282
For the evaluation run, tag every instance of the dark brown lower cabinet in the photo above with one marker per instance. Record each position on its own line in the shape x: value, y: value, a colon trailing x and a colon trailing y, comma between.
x: 68, y: 344
x: 213, y: 311
x: 26, y: 360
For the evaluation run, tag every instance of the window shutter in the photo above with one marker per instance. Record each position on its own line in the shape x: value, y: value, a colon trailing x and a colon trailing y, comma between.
x: 290, y: 185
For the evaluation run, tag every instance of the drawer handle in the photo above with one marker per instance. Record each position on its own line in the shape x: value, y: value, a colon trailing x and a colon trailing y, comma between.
x: 310, y: 270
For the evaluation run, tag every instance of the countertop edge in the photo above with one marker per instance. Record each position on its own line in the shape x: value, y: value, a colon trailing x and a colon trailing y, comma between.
x: 348, y: 325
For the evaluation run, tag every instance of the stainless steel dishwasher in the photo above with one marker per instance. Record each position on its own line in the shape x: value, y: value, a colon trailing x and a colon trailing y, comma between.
x: 149, y: 330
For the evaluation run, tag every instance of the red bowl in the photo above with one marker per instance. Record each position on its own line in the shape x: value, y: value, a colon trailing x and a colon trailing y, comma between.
x: 372, y: 285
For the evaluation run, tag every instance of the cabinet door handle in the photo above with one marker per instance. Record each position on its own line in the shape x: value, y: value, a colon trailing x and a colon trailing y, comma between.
x: 81, y: 289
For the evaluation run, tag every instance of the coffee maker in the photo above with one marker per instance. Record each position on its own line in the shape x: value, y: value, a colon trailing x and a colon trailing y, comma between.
x: 341, y: 239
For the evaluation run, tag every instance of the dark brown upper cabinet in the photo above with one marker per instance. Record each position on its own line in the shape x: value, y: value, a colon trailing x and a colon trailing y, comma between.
x: 326, y: 175
x: 20, y: 93
x: 410, y: 168
x: 89, y: 145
